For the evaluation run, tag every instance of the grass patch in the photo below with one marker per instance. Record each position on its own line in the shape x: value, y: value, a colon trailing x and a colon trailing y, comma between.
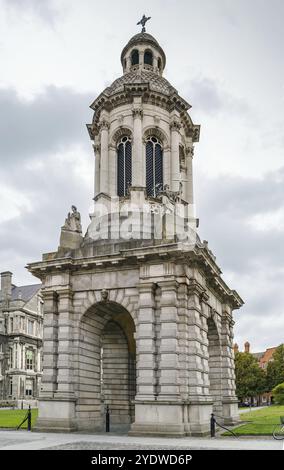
x: 261, y: 422
x: 12, y: 418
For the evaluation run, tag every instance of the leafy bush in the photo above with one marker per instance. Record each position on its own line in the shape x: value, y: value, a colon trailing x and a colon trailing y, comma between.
x: 278, y: 394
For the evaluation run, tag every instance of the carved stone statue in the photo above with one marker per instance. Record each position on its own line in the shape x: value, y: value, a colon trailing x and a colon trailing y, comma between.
x: 73, y: 221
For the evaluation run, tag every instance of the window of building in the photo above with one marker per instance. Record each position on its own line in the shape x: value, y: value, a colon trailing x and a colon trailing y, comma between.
x: 124, y: 164
x: 135, y: 57
x: 159, y: 64
x: 30, y: 327
x: 11, y: 386
x: 10, y: 357
x: 148, y: 57
x: 29, y: 387
x: 11, y: 325
x: 29, y: 359
x: 154, y: 166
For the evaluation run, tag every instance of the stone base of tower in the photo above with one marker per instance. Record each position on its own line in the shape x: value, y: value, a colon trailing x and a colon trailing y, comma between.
x: 230, y: 412
x: 170, y: 419
x: 56, y: 416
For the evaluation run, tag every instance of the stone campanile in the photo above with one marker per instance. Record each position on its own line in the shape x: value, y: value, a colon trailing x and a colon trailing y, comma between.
x: 136, y: 314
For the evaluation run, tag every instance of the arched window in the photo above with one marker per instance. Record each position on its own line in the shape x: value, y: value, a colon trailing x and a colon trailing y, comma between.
x: 148, y: 58
x: 154, y: 166
x: 135, y: 57
x: 124, y: 164
x: 159, y: 64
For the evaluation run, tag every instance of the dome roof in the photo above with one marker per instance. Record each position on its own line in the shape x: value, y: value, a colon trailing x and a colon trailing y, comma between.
x: 155, y: 81
x: 143, y: 38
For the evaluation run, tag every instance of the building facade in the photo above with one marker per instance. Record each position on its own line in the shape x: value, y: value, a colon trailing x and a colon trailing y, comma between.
x: 21, y: 328
x: 136, y: 314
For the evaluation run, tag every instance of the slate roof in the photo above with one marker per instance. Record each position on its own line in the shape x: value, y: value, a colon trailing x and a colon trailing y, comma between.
x: 24, y: 292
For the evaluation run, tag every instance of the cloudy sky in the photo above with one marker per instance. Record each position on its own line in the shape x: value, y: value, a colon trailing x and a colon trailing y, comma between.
x: 224, y: 56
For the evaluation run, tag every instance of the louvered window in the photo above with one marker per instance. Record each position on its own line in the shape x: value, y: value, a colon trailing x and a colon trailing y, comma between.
x: 123, y: 166
x: 154, y: 166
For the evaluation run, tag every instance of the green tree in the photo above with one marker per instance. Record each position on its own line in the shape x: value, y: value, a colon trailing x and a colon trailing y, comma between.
x: 250, y: 378
x: 275, y: 368
x: 278, y: 394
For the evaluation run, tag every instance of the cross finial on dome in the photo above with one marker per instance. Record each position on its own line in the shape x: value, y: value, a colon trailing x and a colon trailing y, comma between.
x: 143, y: 21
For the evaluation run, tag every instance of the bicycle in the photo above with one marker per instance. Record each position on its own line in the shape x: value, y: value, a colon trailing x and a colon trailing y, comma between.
x: 278, y: 432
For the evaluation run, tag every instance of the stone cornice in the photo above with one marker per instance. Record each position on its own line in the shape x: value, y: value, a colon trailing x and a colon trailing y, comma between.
x: 159, y: 99
x: 135, y: 256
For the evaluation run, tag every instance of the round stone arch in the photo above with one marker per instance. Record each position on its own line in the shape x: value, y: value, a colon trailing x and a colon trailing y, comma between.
x: 214, y: 364
x: 155, y: 132
x: 118, y: 133
x: 106, y: 366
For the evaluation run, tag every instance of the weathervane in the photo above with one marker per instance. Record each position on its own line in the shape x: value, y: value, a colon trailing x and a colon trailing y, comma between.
x: 143, y: 21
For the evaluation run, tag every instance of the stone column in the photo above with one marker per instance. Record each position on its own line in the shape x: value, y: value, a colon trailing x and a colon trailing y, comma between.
x: 167, y: 165
x: 200, y: 403
x: 229, y: 398
x: 137, y: 159
x: 65, y: 377
x: 168, y: 351
x: 189, y: 175
x: 104, y: 176
x: 97, y: 149
x: 146, y: 343
x: 49, y: 379
x: 112, y: 170
x: 175, y: 164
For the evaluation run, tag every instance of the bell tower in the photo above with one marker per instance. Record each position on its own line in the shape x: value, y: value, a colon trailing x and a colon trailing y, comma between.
x: 137, y: 317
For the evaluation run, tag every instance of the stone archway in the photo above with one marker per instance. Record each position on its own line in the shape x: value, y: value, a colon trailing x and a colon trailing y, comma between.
x: 106, y: 367
x: 215, y: 366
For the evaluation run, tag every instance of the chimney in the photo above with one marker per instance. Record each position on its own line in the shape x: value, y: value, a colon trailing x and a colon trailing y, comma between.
x: 247, y: 346
x: 236, y: 348
x: 6, y: 285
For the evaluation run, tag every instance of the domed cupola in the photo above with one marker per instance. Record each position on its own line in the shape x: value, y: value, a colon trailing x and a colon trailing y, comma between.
x: 143, y: 52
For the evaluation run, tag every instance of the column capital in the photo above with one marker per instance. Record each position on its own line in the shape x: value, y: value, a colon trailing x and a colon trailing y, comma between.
x: 189, y: 151
x: 137, y: 112
x: 49, y: 295
x: 175, y: 125
x: 146, y: 286
x: 104, y: 125
x: 168, y: 284
x: 97, y: 148
x: 66, y: 293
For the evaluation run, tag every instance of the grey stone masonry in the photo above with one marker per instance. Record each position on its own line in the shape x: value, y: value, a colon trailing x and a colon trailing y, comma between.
x: 137, y: 316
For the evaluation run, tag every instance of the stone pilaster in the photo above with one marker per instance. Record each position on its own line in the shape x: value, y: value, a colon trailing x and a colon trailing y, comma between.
x: 65, y: 376
x: 189, y: 174
x: 200, y: 402
x: 50, y: 351
x: 175, y: 166
x: 168, y: 352
x: 229, y: 399
x: 104, y: 177
x: 146, y: 343
x: 138, y: 157
x: 97, y: 151
x: 112, y: 171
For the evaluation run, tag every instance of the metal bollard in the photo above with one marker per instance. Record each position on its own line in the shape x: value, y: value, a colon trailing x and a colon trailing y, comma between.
x: 29, y: 419
x: 107, y: 418
x: 212, y: 425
